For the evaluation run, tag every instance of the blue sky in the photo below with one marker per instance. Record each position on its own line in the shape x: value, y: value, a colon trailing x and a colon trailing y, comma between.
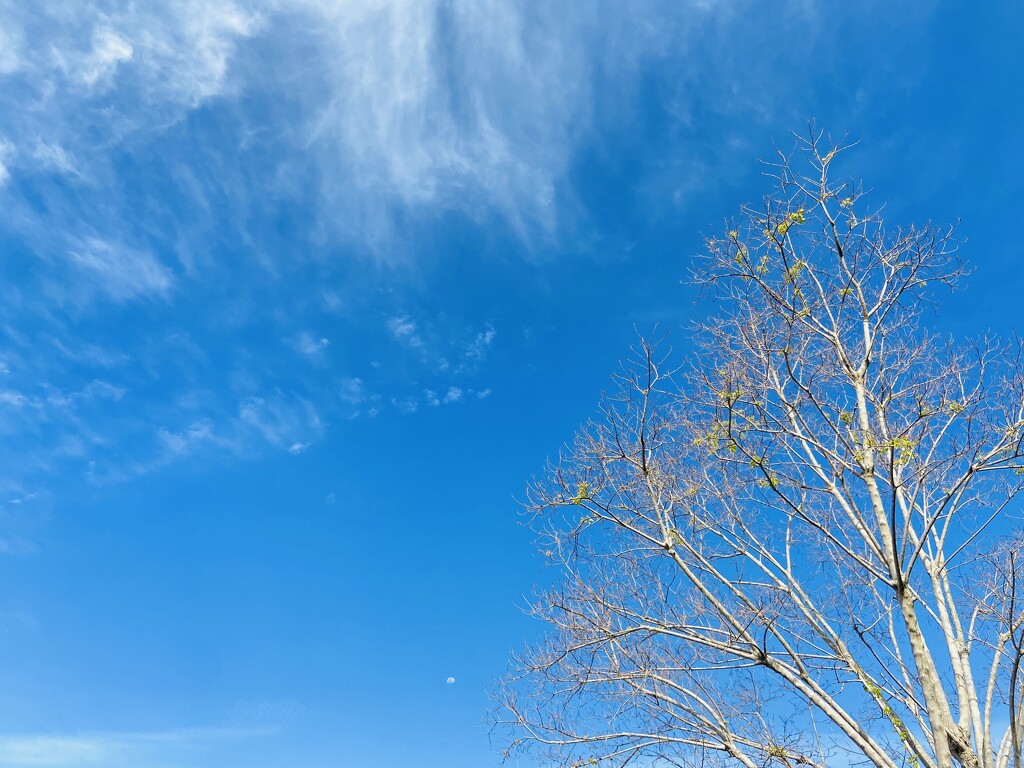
x: 296, y: 297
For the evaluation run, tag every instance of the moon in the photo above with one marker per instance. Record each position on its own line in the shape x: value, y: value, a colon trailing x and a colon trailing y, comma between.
x: 450, y: 680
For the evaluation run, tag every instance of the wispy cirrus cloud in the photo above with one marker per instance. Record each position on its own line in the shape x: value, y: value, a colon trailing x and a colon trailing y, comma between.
x: 58, y: 750
x: 352, y: 391
x: 275, y: 420
x: 406, y: 405
x: 443, y: 344
x: 7, y: 151
x: 113, y: 215
x: 122, y: 273
x: 161, y: 183
x: 449, y: 106
x: 311, y: 347
x: 281, y: 421
x: 394, y: 108
x: 454, y: 395
x: 192, y: 438
x: 68, y: 51
x: 136, y: 749
x: 108, y: 50
x: 405, y: 331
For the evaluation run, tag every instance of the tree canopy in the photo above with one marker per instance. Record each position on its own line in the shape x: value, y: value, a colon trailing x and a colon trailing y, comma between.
x: 799, y: 546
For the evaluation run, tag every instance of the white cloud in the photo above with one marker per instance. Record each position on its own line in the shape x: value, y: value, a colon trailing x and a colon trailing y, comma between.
x: 89, y: 77
x: 451, y: 104
x: 6, y: 153
x: 306, y: 344
x: 14, y: 399
x: 406, y: 405
x: 178, y: 53
x: 53, y: 157
x: 10, y: 54
x: 352, y: 391
x: 477, y: 349
x: 404, y: 330
x: 287, y: 423
x: 453, y: 395
x: 186, y: 441
x: 197, y: 58
x: 57, y: 750
x: 391, y: 112
x: 103, y: 390
x: 122, y: 273
x: 284, y: 422
x: 108, y: 50
x: 400, y: 106
x: 427, y: 106
x: 443, y: 344
x: 112, y: 749
x: 53, y: 430
x: 95, y: 390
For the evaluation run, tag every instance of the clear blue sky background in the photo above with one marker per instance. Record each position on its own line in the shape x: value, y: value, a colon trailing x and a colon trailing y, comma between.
x: 295, y: 298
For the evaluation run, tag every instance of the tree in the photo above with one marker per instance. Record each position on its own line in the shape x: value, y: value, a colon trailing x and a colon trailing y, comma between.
x: 799, y: 548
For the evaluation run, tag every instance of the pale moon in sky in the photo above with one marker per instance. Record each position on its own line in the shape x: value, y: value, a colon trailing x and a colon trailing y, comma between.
x: 450, y: 680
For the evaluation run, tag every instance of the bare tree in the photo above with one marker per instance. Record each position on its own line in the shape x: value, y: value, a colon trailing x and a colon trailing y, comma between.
x: 799, y: 548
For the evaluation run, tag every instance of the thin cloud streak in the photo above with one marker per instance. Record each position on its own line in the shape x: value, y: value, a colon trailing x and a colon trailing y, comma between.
x: 122, y: 273
x: 140, y: 180
x: 110, y: 749
x: 429, y: 106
